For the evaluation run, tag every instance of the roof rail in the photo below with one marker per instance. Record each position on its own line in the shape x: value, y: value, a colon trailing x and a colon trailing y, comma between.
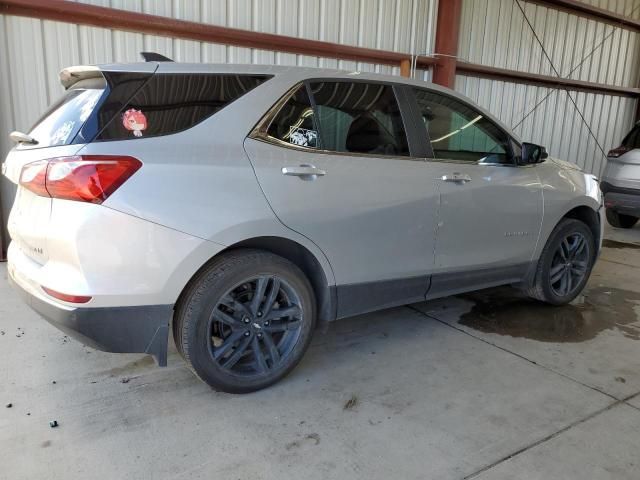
x: 154, y: 57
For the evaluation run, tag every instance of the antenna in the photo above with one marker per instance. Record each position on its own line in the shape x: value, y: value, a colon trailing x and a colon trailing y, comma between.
x: 154, y: 57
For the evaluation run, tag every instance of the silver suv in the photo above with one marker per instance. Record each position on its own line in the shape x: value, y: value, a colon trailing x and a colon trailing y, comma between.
x: 621, y: 182
x: 243, y: 206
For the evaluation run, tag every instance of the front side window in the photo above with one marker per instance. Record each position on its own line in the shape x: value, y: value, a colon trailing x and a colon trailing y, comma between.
x: 459, y: 132
x: 358, y: 117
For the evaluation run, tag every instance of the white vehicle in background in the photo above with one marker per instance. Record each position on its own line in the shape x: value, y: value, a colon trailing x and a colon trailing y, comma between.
x: 621, y: 182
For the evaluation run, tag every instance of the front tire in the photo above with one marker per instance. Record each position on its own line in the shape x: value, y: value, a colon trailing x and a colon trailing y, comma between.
x: 565, y: 263
x: 245, y: 321
x: 619, y: 220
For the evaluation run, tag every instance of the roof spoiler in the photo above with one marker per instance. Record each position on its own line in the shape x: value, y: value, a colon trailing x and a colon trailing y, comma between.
x: 154, y: 57
x: 71, y: 75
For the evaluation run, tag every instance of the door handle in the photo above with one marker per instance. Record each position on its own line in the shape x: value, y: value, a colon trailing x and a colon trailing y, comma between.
x: 456, y: 178
x: 304, y: 171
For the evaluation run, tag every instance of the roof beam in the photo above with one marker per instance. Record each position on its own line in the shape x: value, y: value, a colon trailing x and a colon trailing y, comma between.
x: 585, y: 10
x: 483, y: 71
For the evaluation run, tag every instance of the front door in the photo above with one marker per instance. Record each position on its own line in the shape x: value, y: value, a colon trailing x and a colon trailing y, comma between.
x: 491, y: 208
x: 342, y: 174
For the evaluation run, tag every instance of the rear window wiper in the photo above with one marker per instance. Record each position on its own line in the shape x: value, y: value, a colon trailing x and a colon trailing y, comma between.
x: 20, y: 137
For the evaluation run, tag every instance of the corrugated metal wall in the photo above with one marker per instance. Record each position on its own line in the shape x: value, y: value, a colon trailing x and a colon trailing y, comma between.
x: 495, y: 33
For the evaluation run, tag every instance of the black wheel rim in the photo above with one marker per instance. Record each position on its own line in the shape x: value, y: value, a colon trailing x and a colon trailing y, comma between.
x: 255, y: 326
x: 570, y: 264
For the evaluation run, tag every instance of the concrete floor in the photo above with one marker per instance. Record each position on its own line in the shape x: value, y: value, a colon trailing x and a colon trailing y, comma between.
x: 487, y: 386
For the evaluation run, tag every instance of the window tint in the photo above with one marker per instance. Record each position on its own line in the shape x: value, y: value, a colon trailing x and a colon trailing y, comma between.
x: 60, y: 124
x: 459, y: 132
x: 359, y: 117
x: 632, y: 140
x: 170, y: 103
x: 294, y: 123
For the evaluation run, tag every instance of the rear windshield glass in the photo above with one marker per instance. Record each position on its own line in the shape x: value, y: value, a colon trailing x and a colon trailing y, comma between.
x: 60, y: 124
x: 170, y: 103
x: 632, y: 140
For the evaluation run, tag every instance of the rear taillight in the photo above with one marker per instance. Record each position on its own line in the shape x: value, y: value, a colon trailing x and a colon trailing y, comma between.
x: 84, y: 178
x: 616, y: 152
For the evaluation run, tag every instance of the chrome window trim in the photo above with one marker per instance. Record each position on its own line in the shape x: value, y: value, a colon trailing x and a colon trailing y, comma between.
x: 476, y: 163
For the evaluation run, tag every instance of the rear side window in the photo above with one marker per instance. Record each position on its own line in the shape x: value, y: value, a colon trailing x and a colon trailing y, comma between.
x: 295, y: 123
x: 64, y: 119
x: 359, y: 117
x: 632, y: 140
x: 171, y: 103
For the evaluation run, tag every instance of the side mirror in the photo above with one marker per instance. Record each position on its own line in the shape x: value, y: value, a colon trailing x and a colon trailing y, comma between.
x: 532, y: 153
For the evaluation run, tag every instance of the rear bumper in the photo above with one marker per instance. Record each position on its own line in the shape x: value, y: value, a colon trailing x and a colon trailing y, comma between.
x: 621, y: 199
x: 138, y: 329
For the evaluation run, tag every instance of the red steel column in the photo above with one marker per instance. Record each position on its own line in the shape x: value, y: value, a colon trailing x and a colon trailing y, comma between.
x: 446, y: 49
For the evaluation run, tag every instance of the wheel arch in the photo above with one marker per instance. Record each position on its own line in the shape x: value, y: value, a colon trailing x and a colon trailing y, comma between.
x: 580, y: 211
x: 587, y: 215
x: 300, y: 256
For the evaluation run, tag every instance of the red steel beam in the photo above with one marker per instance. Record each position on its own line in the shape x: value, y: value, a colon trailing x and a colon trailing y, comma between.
x: 474, y: 70
x: 85, y: 14
x: 446, y: 46
x: 585, y: 10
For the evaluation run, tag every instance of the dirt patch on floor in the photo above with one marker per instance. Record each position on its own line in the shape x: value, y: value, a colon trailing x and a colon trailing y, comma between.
x: 606, y: 243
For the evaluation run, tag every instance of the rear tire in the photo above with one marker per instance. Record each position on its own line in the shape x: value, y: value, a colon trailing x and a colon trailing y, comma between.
x: 619, y: 220
x: 565, y: 263
x: 245, y: 321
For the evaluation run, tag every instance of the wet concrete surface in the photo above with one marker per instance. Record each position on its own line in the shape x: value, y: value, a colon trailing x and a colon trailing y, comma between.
x: 507, y: 312
x: 487, y: 385
x: 594, y: 340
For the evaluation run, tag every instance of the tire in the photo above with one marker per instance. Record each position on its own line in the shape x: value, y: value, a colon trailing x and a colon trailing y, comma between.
x: 564, y: 265
x: 619, y: 220
x: 233, y: 342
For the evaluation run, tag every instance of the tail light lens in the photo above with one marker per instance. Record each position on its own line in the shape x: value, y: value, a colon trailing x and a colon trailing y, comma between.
x: 84, y: 178
x: 616, y: 152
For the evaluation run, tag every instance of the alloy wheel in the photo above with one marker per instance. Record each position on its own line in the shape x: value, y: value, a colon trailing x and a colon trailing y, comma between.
x: 255, y: 326
x: 569, y: 265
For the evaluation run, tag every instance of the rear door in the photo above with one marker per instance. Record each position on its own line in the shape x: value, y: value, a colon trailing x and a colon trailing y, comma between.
x: 336, y: 165
x: 491, y: 208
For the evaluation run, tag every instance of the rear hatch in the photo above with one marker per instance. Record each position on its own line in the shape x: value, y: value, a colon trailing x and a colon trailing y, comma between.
x: 92, y: 98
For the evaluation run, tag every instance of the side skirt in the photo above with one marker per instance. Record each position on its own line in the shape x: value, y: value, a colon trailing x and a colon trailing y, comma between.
x: 452, y: 283
x: 359, y: 298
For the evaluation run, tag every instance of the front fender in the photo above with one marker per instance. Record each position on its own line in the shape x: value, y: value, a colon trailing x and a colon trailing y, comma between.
x: 564, y: 190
